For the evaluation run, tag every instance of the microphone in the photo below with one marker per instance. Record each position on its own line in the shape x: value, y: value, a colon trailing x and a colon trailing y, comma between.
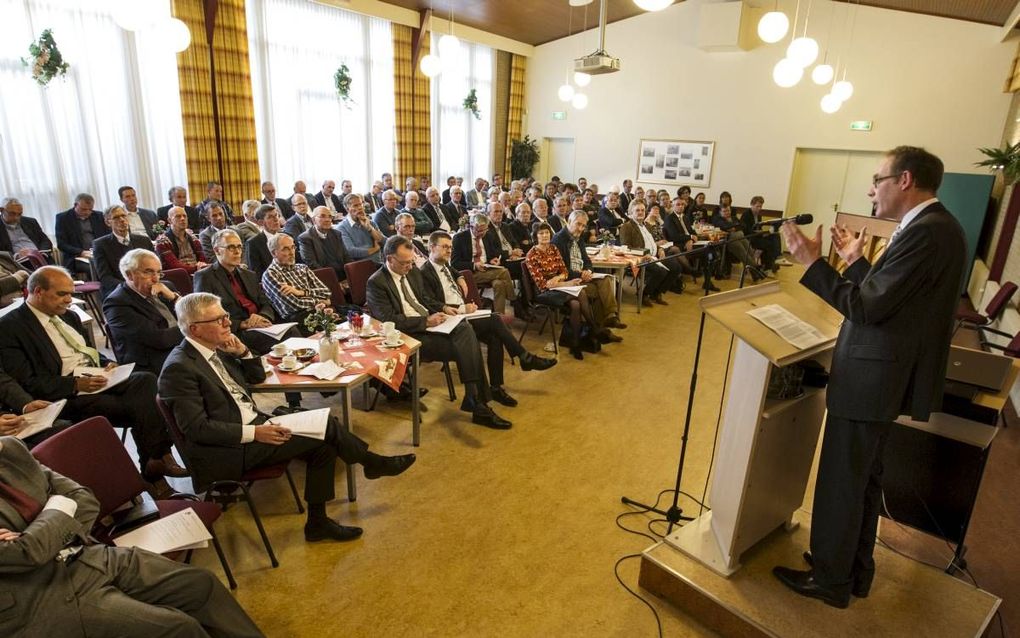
x: 800, y: 220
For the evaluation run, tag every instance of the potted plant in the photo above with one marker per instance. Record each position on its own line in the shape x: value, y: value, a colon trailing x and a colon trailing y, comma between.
x: 1005, y: 159
x: 523, y: 157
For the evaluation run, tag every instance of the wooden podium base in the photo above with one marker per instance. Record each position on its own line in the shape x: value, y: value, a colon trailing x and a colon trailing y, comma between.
x: 907, y: 598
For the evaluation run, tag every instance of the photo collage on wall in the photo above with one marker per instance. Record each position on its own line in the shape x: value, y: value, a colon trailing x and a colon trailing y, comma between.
x: 675, y: 162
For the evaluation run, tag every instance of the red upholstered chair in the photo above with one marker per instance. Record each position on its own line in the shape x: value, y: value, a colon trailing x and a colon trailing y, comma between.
x: 226, y: 492
x: 336, y: 292
x: 35, y: 259
x: 90, y: 454
x: 181, y: 280
x: 994, y: 309
x: 358, y: 273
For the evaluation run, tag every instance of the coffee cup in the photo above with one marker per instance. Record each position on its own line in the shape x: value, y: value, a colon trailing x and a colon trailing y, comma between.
x: 388, y: 328
x: 393, y: 338
x: 289, y: 361
x: 279, y: 350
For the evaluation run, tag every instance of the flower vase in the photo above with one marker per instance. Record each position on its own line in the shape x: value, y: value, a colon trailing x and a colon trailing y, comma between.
x: 327, y: 349
x: 605, y: 252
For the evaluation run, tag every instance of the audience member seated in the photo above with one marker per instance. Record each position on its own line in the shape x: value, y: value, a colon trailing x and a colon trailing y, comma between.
x: 322, y: 246
x: 373, y: 200
x: 178, y: 247
x: 14, y: 404
x: 385, y: 218
x: 281, y: 204
x: 140, y: 313
x: 495, y: 211
x: 140, y: 220
x: 436, y: 212
x: 19, y: 235
x: 256, y: 249
x: 217, y: 221
x: 178, y: 196
x: 397, y: 293
x: 108, y: 249
x: 450, y: 289
x: 602, y: 291
x: 76, y: 229
x: 292, y: 288
x: 738, y: 247
x: 61, y: 583
x: 362, y: 238
x: 299, y: 189
x: 769, y: 244
x: 422, y: 224
x: 451, y: 181
x: 627, y: 195
x: 548, y: 271
x: 405, y: 228
x: 206, y: 383
x: 213, y: 195
x: 561, y: 213
x: 519, y: 229
x: 333, y: 203
x: 12, y: 278
x: 456, y: 210
x: 679, y: 263
x: 659, y: 277
x: 301, y: 220
x: 476, y: 197
x: 247, y: 228
x: 42, y: 344
x: 477, y: 250
x: 611, y: 216
x: 539, y: 213
x: 387, y: 184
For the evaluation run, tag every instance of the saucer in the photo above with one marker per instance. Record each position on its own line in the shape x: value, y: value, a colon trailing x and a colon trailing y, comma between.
x: 294, y: 369
x: 383, y: 344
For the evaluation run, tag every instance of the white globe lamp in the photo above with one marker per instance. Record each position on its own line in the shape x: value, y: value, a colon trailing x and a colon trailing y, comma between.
x: 449, y: 46
x: 786, y: 73
x: 580, y: 101
x: 831, y: 103
x: 566, y: 92
x: 773, y: 26
x: 137, y: 15
x: 822, y: 74
x: 178, y: 36
x: 653, y: 5
x: 843, y: 90
x: 582, y: 79
x: 802, y: 51
x: 430, y: 65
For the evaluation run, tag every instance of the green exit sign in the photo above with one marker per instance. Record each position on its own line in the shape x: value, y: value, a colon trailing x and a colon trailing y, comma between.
x: 860, y: 125
x: 559, y: 115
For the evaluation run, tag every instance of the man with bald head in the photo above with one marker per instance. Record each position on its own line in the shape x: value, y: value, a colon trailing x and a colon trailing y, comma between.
x: 322, y: 245
x: 301, y: 220
x: 327, y: 198
x: 269, y: 197
x: 292, y: 288
x: 178, y: 196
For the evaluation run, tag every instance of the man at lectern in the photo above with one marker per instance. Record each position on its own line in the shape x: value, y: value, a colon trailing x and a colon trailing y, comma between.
x: 889, y: 359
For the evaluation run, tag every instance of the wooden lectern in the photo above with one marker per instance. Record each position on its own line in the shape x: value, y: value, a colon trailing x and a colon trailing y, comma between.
x: 766, y: 447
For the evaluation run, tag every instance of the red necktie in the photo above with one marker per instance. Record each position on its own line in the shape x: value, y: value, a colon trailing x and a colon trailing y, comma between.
x: 24, y: 504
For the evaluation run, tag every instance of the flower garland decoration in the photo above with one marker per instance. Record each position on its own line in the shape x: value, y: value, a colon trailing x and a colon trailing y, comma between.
x: 342, y: 80
x: 471, y: 104
x: 46, y: 61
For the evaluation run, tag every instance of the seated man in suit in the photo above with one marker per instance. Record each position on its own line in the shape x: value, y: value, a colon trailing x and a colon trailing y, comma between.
x: 405, y: 228
x: 206, y: 383
x: 769, y: 244
x: 397, y: 293
x: 178, y: 196
x: 449, y: 288
x: 423, y: 224
x: 322, y: 246
x: 373, y: 199
x: 561, y: 213
x: 386, y: 216
x: 14, y: 404
x: 41, y: 344
x: 332, y: 202
x: 12, y: 278
x: 433, y: 209
x: 178, y: 247
x: 362, y: 238
x: 292, y: 288
x: 247, y: 228
x: 213, y: 195
x: 20, y: 235
x: 216, y: 218
x: 76, y: 228
x: 450, y: 182
x: 269, y: 197
x: 476, y: 197
x: 539, y: 212
x: 256, y: 249
x: 498, y: 227
x: 659, y: 277
x: 139, y: 219
x: 477, y: 250
x: 108, y: 250
x: 611, y: 216
x: 140, y: 313
x: 299, y: 189
x: 301, y: 220
x: 456, y: 210
x: 58, y: 582
x: 602, y: 291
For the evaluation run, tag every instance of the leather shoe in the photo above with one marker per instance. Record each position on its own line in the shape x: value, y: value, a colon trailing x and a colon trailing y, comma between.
x: 804, y: 583
x: 389, y: 465
x: 576, y: 352
x: 614, y: 322
x: 328, y: 529
x: 713, y: 288
x: 605, y: 336
x: 166, y: 466
x: 861, y: 586
x: 531, y: 362
x: 645, y: 303
x: 501, y: 396
x: 483, y: 415
x: 659, y: 300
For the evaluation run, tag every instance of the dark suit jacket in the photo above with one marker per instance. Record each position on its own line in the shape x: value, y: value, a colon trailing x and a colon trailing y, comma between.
x: 611, y: 222
x: 107, y: 252
x: 13, y: 397
x: 32, y: 229
x: 723, y: 224
x: 463, y: 245
x: 283, y: 204
x: 673, y: 230
x: 338, y: 204
x: 69, y: 237
x: 257, y: 255
x: 890, y: 356
x: 519, y: 235
x: 435, y: 213
x: 446, y: 198
x: 556, y: 222
x: 295, y: 226
x: 140, y: 334
x: 384, y: 300
x: 205, y: 411
x: 373, y: 202
x: 562, y: 241
x: 454, y: 213
x: 30, y: 357
x: 148, y: 217
x: 433, y: 284
x: 507, y: 235
x: 313, y: 251
x: 194, y: 219
x: 214, y: 280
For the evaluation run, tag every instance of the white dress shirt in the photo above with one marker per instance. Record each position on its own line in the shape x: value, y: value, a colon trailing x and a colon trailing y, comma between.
x: 248, y: 414
x: 409, y: 310
x: 69, y: 357
x: 911, y: 215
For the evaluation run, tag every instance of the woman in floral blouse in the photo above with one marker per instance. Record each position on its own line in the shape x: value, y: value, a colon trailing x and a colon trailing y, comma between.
x: 177, y: 247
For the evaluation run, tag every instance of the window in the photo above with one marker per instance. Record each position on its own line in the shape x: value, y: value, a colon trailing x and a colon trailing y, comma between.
x: 114, y: 119
x: 462, y: 144
x: 303, y: 130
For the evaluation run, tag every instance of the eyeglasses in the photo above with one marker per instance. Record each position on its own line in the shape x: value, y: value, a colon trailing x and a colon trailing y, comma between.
x: 234, y: 248
x: 224, y: 319
x: 875, y: 179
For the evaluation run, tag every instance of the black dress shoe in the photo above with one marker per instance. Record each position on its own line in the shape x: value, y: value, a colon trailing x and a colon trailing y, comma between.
x: 483, y: 415
x: 646, y: 303
x: 327, y: 529
x: 659, y: 300
x: 861, y: 586
x: 606, y: 336
x: 713, y: 288
x: 590, y: 344
x: 576, y: 351
x: 804, y: 583
x: 614, y: 322
x: 531, y: 362
x: 389, y: 465
x: 501, y: 396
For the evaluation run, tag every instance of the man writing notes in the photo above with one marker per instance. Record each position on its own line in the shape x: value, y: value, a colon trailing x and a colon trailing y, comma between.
x: 889, y: 359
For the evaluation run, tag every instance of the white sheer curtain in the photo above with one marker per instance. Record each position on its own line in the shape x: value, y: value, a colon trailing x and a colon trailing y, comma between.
x: 304, y: 131
x: 461, y: 144
x: 113, y: 120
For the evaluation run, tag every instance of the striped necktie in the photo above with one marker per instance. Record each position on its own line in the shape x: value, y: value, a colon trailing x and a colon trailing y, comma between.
x: 91, y: 353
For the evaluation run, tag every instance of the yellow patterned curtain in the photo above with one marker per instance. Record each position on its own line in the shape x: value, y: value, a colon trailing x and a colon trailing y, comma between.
x: 413, y: 152
x: 234, y: 162
x: 515, y: 113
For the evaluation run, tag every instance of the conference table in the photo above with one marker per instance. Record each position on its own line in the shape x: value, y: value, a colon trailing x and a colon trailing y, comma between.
x: 618, y: 264
x: 281, y: 381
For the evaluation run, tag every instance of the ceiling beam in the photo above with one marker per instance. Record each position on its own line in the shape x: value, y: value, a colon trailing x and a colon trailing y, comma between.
x: 1008, y: 29
x: 420, y: 34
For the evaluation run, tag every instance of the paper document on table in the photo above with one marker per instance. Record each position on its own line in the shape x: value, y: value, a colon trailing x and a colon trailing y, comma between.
x: 573, y: 291
x: 113, y: 377
x: 311, y: 423
x: 297, y: 343
x: 276, y: 330
x: 784, y: 323
x: 324, y: 370
x: 183, y: 530
x: 447, y: 326
x: 41, y: 419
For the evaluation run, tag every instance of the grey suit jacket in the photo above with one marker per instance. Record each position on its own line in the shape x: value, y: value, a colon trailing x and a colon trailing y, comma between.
x: 385, y: 305
x: 313, y: 251
x: 890, y: 356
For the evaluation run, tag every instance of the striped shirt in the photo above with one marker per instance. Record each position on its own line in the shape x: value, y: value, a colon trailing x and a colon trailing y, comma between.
x: 299, y: 276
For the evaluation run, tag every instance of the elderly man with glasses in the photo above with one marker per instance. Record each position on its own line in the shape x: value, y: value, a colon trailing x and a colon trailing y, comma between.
x: 478, y: 250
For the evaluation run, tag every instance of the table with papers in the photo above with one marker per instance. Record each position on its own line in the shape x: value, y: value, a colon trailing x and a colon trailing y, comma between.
x: 618, y: 263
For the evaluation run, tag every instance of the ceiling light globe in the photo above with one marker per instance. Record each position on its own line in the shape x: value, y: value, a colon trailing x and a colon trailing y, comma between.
x: 582, y: 79
x: 843, y: 90
x: 430, y: 65
x: 449, y: 46
x: 773, y: 26
x: 802, y: 52
x: 653, y: 5
x: 786, y: 73
x: 566, y: 92
x: 831, y: 103
x: 822, y: 74
x: 580, y: 101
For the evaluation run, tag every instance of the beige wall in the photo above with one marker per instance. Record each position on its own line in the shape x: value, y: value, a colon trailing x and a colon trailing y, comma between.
x: 922, y: 80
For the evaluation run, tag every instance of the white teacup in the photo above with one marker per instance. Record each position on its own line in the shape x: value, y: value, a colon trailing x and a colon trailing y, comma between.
x: 393, y: 338
x: 279, y: 350
x: 388, y: 328
x: 289, y: 361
